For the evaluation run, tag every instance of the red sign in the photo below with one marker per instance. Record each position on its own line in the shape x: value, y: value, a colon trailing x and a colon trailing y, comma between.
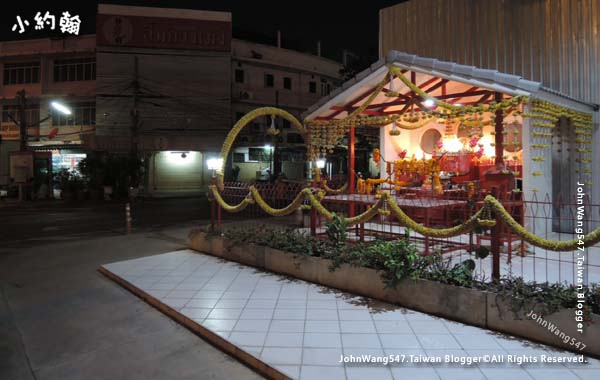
x: 9, y: 131
x: 165, y: 33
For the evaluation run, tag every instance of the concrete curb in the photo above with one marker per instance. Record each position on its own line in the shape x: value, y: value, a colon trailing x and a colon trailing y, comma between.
x: 206, y: 334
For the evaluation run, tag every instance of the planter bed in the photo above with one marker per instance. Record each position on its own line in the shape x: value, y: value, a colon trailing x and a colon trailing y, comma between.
x: 470, y: 306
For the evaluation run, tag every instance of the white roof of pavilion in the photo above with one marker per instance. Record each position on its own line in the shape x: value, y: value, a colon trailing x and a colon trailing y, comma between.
x: 455, y: 83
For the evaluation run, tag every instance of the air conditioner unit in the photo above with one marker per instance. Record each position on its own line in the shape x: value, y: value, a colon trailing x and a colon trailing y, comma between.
x: 246, y: 95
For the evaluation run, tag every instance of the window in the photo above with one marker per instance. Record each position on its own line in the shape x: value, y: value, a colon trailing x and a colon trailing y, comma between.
x: 239, y: 76
x: 312, y: 87
x: 258, y: 154
x: 269, y: 80
x: 325, y: 87
x: 83, y: 114
x: 294, y: 138
x: 19, y: 73
x: 69, y: 70
x: 286, y: 123
x: 239, y: 157
x: 287, y: 83
x: 32, y: 113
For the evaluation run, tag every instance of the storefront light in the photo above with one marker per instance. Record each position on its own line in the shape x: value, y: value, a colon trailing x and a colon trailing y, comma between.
x: 320, y: 164
x: 179, y: 158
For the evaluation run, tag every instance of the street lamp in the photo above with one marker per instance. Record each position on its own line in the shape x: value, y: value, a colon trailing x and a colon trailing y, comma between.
x: 214, y: 164
x: 60, y: 107
x: 22, y: 124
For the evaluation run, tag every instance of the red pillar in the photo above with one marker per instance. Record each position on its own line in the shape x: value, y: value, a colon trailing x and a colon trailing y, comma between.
x: 499, y: 128
x: 351, y: 140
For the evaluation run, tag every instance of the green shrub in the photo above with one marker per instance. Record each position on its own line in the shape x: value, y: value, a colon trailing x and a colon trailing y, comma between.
x: 399, y: 259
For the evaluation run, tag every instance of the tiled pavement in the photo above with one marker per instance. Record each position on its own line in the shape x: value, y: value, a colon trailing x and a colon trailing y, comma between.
x: 302, y: 329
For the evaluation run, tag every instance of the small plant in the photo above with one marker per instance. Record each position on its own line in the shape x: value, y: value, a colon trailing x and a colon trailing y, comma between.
x: 460, y: 274
x: 336, y: 231
x: 400, y: 260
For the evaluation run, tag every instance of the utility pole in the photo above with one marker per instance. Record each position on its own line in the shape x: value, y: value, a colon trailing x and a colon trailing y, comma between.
x: 135, y: 124
x: 22, y: 124
x: 135, y: 114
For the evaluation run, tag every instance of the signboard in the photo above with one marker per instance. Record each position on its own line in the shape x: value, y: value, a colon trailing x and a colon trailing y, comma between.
x: 165, y: 33
x: 9, y: 131
x: 21, y: 166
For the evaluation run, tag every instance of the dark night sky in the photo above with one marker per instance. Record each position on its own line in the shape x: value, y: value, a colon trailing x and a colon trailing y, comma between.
x: 339, y: 25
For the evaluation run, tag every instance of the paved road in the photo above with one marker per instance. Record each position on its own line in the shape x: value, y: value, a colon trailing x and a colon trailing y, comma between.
x: 37, y: 223
x: 61, y: 319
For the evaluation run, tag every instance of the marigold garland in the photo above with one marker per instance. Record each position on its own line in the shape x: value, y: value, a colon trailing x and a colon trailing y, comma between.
x: 245, y: 120
x: 329, y: 190
x: 552, y: 245
x: 227, y: 207
x: 481, y: 218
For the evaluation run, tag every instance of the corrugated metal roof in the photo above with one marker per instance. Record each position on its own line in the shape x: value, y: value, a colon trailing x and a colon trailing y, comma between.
x: 492, y: 79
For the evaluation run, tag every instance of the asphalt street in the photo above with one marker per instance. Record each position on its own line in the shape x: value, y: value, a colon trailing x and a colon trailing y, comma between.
x: 61, y: 319
x: 42, y: 222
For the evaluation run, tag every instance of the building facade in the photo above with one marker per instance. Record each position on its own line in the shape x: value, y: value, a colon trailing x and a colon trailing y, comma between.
x: 165, y: 83
x: 47, y: 70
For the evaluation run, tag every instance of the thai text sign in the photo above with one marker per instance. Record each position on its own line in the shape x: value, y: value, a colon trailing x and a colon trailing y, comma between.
x: 166, y: 33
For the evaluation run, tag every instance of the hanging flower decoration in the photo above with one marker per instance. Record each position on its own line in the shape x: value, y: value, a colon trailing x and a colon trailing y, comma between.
x: 473, y: 142
x: 272, y: 130
x: 402, y: 154
x: 395, y: 131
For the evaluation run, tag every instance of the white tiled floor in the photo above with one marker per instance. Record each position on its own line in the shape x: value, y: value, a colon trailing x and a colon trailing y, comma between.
x: 302, y: 329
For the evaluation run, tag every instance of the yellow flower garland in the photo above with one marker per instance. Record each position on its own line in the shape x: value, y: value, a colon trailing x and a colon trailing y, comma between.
x: 481, y: 218
x: 227, y: 207
x: 552, y: 245
x: 245, y: 120
x: 329, y: 190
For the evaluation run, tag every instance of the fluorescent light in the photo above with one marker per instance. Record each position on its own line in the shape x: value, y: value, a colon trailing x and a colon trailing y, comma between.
x: 214, y: 163
x: 180, y: 158
x: 320, y: 164
x: 61, y: 108
x: 268, y: 147
x: 429, y: 103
